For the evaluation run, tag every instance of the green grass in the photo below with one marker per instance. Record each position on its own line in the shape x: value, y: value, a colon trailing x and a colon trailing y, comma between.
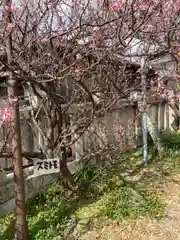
x: 123, y: 202
x: 113, y: 194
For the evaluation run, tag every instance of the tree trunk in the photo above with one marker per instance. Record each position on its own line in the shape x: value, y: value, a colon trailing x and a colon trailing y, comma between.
x: 67, y: 178
x: 21, y: 224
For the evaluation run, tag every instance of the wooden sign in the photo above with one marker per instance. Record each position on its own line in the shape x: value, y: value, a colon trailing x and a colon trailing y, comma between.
x: 46, y: 166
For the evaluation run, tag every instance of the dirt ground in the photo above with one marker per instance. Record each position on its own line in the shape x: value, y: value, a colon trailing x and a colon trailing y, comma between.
x: 166, y: 228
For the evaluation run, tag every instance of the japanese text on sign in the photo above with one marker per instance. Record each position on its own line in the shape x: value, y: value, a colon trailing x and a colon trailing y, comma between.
x: 46, y: 166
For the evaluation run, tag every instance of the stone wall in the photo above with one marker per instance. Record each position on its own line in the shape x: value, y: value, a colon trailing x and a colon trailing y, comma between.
x: 33, y: 185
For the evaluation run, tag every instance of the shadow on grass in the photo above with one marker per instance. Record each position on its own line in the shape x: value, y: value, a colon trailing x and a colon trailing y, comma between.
x: 10, y: 229
x: 158, y: 168
x: 8, y: 234
x: 55, y: 215
x: 52, y: 210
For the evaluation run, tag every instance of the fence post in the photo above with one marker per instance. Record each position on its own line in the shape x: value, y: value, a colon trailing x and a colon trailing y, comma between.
x: 144, y: 110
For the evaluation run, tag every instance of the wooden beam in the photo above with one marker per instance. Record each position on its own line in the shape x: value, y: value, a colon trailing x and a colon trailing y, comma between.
x: 24, y: 154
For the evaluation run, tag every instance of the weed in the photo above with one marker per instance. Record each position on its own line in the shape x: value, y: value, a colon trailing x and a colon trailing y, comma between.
x: 170, y: 141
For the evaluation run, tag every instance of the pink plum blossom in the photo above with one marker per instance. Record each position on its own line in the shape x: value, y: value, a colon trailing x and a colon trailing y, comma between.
x: 178, y: 96
x: 10, y: 27
x: 118, y: 6
x: 96, y: 33
x: 13, y: 100
x: 7, y: 114
x: 143, y: 5
x: 131, y: 145
x: 45, y: 40
x: 13, y: 8
x: 121, y: 129
x: 52, y: 3
x: 177, y: 5
x: 7, y: 8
